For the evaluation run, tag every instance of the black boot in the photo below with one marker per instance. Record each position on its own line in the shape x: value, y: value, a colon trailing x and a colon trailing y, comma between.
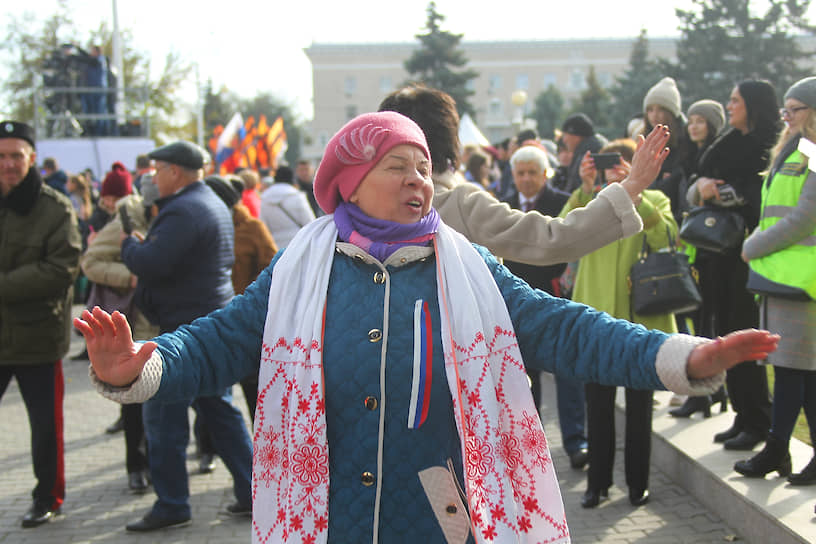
x: 692, y: 406
x: 774, y: 456
x: 732, y: 432
x: 722, y: 397
x: 807, y: 476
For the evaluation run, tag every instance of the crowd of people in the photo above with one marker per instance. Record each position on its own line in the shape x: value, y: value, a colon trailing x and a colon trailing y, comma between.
x: 439, y: 281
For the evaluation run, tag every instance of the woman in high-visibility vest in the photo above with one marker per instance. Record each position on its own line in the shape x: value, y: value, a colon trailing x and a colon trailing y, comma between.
x: 782, y: 255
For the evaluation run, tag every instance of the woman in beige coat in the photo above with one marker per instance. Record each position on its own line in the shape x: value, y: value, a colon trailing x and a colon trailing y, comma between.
x: 102, y: 264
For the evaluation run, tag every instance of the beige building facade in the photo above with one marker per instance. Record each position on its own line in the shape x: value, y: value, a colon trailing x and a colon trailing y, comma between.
x: 350, y: 79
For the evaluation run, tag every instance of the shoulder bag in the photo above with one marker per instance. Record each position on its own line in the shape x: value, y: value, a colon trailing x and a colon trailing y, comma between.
x: 714, y: 228
x: 663, y: 282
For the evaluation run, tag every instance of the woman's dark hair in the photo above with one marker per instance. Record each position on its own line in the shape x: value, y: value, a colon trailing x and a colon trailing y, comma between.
x: 435, y: 113
x: 761, y: 108
x: 476, y: 160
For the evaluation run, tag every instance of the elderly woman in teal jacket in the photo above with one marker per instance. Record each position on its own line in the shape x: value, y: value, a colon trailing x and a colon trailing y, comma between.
x: 393, y: 404
x: 602, y: 283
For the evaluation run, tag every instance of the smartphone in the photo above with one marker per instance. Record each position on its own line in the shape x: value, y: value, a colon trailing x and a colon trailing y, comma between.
x: 605, y: 160
x: 127, y: 224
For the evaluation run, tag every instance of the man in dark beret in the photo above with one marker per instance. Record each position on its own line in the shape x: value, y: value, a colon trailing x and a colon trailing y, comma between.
x: 578, y: 135
x: 184, y: 265
x: 39, y: 261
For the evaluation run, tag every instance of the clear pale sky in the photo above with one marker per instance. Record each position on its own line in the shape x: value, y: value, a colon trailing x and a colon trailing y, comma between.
x: 252, y: 45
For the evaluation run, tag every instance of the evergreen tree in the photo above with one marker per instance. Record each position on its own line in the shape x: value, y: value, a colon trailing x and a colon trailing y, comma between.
x: 595, y: 102
x: 548, y: 111
x: 436, y: 62
x: 630, y: 88
x: 722, y: 42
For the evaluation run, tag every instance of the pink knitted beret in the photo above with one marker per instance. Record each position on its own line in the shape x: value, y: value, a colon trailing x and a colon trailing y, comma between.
x: 356, y: 149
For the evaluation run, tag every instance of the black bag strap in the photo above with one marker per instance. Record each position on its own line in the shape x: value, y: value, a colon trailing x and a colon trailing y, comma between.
x: 645, y: 249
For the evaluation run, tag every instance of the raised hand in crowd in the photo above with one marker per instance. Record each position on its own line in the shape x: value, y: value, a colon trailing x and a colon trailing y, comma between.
x: 115, y: 357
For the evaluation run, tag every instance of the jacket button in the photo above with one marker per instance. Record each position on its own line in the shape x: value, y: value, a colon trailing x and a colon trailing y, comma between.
x: 374, y: 335
x: 379, y: 277
x: 451, y: 509
x: 367, y: 479
x: 371, y: 403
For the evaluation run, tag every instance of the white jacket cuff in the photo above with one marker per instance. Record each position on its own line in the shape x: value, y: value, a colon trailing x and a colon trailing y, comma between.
x: 631, y: 223
x: 671, y: 362
x: 141, y: 390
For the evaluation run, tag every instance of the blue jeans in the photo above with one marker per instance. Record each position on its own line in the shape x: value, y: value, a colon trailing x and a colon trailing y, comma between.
x: 571, y: 413
x: 168, y: 432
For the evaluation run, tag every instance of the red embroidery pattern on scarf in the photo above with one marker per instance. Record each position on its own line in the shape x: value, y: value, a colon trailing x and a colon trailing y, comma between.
x: 291, y: 457
x: 511, y: 450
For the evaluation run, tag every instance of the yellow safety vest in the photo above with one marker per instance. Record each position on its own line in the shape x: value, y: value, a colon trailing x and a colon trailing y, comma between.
x: 794, y: 265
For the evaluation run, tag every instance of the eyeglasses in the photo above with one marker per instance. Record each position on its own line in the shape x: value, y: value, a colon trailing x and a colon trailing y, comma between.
x: 790, y: 112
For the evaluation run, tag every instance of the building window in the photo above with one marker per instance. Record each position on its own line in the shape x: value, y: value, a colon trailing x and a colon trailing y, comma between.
x: 386, y: 85
x: 494, y: 83
x: 351, y: 85
x: 351, y: 112
x: 577, y: 79
x: 495, y: 107
x: 522, y: 82
x: 323, y: 139
x: 605, y: 79
x: 470, y: 85
x: 549, y: 79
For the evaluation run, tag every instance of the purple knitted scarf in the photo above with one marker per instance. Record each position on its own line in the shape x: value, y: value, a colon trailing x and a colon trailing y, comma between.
x: 378, y: 237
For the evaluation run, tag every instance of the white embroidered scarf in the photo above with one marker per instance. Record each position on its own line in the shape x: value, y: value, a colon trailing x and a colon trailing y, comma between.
x: 512, y: 490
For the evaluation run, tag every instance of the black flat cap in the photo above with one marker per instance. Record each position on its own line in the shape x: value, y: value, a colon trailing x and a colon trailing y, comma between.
x: 185, y: 154
x: 13, y: 129
x: 224, y: 189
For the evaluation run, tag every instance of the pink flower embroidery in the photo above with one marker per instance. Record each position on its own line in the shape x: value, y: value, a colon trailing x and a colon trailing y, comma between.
x: 360, y: 145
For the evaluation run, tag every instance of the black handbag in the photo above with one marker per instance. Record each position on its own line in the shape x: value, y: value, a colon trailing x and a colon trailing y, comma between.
x: 760, y: 285
x: 663, y: 282
x: 713, y: 228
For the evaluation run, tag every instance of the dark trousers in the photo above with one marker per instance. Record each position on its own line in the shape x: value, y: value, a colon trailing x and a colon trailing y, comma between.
x: 728, y: 307
x: 571, y: 413
x: 600, y: 402
x: 168, y: 433
x: 249, y: 386
x: 747, y: 385
x: 135, y: 441
x: 42, y: 388
x: 794, y: 389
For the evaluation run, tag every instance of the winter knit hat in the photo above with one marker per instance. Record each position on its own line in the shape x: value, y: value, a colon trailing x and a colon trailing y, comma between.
x: 356, y: 149
x: 664, y: 94
x: 224, y: 189
x: 578, y: 124
x: 804, y: 91
x: 118, y: 182
x: 710, y: 110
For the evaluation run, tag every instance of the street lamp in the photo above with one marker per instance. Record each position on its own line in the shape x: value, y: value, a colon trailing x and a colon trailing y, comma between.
x: 519, y: 99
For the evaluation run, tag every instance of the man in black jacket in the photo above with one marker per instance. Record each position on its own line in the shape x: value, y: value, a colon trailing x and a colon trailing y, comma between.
x: 39, y: 260
x: 531, y: 170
